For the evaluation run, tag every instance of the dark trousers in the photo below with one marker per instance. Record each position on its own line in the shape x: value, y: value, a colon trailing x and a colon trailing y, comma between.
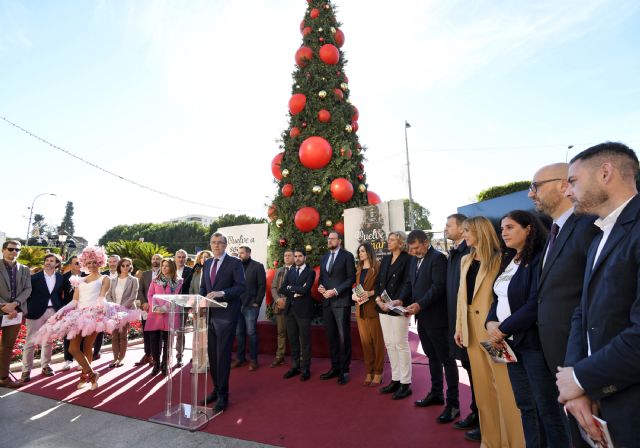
x: 65, y: 346
x: 146, y: 338
x: 435, y: 343
x: 219, y: 345
x: 247, y: 326
x: 97, y: 344
x: 159, y: 340
x: 180, y: 336
x: 299, y: 332
x: 466, y: 365
x: 337, y: 324
x: 536, y: 395
x: 7, y: 341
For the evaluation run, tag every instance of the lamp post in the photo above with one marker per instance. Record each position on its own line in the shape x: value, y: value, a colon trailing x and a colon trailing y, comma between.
x: 406, y: 143
x: 62, y: 238
x: 26, y: 242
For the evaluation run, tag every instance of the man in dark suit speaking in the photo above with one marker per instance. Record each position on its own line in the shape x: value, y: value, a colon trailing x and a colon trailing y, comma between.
x: 337, y: 276
x: 222, y: 280
x: 603, y: 355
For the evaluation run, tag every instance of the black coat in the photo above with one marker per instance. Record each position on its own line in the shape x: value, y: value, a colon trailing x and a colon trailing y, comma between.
x: 342, y: 278
x: 453, y: 283
x: 609, y: 312
x: 38, y: 302
x: 293, y: 284
x: 428, y: 289
x: 187, y: 275
x: 392, y: 277
x: 255, y: 283
x: 560, y: 286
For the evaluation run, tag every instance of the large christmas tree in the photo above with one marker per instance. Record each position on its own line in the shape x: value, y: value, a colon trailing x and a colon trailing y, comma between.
x: 321, y: 171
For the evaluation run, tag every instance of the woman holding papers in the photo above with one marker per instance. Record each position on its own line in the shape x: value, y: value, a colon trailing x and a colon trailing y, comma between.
x: 395, y: 326
x: 367, y: 318
x: 512, y: 319
x: 500, y: 422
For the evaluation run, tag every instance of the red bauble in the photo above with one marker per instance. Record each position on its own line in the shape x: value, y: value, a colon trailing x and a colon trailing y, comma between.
x: 354, y: 126
x: 346, y: 79
x: 329, y: 54
x: 275, y: 263
x: 356, y: 114
x: 341, y: 189
x: 275, y: 166
x: 271, y: 212
x: 294, y: 132
x: 325, y: 233
x: 306, y: 30
x: 315, y: 152
x: 321, y: 39
x: 297, y: 103
x: 314, y: 289
x: 287, y: 190
x: 306, y: 219
x: 360, y: 177
x: 303, y: 55
x: 338, y: 94
x: 339, y: 227
x: 304, y: 124
x: 314, y: 13
x: 339, y: 36
x: 373, y: 198
x: 324, y: 116
x: 282, y: 242
x: 361, y: 166
x: 301, y: 25
x: 271, y: 273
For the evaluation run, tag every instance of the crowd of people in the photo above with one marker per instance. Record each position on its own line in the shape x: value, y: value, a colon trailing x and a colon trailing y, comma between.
x: 564, y: 298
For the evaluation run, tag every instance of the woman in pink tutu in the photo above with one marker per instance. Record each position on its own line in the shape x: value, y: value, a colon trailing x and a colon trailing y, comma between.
x: 87, y: 315
x: 167, y: 282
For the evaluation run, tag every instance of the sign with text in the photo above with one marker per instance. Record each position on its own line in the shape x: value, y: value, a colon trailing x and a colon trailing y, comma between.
x: 372, y: 224
x: 251, y: 235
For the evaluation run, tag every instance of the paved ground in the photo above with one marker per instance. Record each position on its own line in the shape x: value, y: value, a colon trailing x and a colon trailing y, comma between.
x: 30, y: 421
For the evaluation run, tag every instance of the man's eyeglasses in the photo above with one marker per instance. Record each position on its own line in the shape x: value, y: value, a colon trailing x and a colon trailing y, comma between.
x: 535, y: 185
x: 13, y: 249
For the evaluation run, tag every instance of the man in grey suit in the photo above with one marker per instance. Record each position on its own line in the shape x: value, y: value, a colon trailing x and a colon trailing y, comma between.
x: 145, y: 281
x: 279, y: 301
x: 562, y: 270
x: 603, y: 355
x: 15, y: 289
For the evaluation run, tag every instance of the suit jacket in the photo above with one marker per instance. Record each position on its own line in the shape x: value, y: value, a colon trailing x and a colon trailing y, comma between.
x: 129, y: 295
x: 67, y: 287
x: 255, y: 279
x: 392, y: 277
x: 522, y: 294
x: 230, y: 279
x: 369, y: 309
x: 293, y: 284
x: 278, y: 279
x: 560, y: 286
x: 341, y: 278
x: 427, y: 289
x: 187, y: 276
x: 40, y: 295
x: 453, y: 282
x: 609, y: 312
x: 143, y: 289
x: 23, y: 286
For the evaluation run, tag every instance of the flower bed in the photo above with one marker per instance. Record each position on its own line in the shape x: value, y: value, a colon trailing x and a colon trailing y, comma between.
x: 135, y: 332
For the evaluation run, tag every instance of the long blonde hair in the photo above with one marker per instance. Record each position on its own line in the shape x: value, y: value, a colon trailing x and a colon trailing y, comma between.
x: 488, y: 246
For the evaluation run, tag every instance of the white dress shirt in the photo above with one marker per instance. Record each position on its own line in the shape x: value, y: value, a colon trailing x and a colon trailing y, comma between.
x: 51, y: 283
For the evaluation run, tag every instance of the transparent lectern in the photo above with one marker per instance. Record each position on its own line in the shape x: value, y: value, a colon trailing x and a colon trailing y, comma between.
x: 188, y: 414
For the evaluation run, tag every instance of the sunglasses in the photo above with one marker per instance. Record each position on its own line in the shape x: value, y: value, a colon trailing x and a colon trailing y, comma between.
x: 13, y: 249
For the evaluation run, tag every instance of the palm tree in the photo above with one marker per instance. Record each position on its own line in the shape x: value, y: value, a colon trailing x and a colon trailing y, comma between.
x: 140, y: 252
x: 32, y: 256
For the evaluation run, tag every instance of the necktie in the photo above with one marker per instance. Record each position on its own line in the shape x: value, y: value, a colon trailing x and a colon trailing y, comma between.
x: 297, y: 273
x: 331, y: 262
x: 418, y: 265
x: 555, y: 228
x: 214, y: 271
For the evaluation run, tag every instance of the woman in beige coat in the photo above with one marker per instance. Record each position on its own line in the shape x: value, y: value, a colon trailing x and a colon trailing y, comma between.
x: 500, y: 422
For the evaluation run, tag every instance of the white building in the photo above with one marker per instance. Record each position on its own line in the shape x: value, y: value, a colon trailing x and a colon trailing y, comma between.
x: 200, y: 219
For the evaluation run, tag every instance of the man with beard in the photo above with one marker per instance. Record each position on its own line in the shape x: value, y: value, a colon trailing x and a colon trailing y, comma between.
x: 145, y: 281
x: 562, y: 270
x: 603, y: 355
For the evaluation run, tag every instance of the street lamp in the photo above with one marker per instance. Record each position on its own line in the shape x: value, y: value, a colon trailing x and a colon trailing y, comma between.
x: 62, y: 238
x: 26, y: 242
x: 406, y: 143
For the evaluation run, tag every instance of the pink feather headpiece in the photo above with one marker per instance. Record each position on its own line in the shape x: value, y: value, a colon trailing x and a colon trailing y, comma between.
x: 92, y: 253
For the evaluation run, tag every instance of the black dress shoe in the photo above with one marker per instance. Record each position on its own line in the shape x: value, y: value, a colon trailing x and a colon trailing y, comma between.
x: 163, y: 369
x: 403, y: 392
x: 291, y: 373
x: 330, y: 374
x: 343, y: 379
x: 471, y: 421
x: 156, y: 369
x: 306, y: 374
x: 474, y: 435
x: 213, y: 396
x: 449, y: 414
x: 430, y: 400
x: 390, y: 388
x: 221, y: 404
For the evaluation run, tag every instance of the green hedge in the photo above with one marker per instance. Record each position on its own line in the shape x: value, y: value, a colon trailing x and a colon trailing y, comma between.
x: 502, y: 190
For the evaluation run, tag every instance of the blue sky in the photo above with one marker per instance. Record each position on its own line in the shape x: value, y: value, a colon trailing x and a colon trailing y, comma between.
x: 189, y: 97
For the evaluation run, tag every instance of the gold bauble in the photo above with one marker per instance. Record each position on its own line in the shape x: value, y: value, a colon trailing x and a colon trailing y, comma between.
x: 362, y: 188
x: 319, y: 30
x: 308, y: 248
x: 316, y: 189
x: 279, y: 223
x: 328, y: 223
x: 322, y: 93
x: 333, y: 30
x: 344, y: 86
x: 268, y: 242
x: 347, y: 128
x: 285, y: 172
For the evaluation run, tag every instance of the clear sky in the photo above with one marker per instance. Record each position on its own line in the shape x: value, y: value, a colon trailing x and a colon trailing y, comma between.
x: 189, y: 97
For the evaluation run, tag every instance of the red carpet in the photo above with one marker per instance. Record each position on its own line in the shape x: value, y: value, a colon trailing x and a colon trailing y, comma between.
x: 266, y: 408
